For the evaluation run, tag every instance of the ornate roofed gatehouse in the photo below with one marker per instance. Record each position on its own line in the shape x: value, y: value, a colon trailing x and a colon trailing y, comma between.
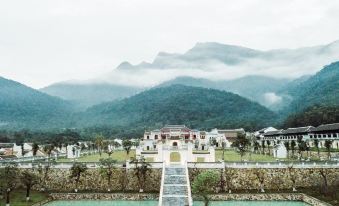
x: 176, y: 144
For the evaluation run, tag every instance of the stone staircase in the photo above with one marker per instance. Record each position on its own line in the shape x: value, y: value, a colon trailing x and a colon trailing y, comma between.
x: 175, y: 188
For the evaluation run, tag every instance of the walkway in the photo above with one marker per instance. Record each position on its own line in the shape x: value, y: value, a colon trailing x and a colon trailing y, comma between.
x: 175, y: 188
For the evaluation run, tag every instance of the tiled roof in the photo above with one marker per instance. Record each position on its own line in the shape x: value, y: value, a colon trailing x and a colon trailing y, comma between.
x: 297, y: 130
x: 326, y: 127
x: 222, y: 131
x: 270, y: 133
x: 169, y: 128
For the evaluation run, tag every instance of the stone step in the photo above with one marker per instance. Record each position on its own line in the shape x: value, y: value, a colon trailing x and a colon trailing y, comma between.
x: 175, y: 180
x: 175, y: 190
x: 175, y: 171
x: 174, y: 201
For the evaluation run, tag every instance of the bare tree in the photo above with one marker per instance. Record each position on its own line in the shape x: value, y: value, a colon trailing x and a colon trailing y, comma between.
x: 293, y: 177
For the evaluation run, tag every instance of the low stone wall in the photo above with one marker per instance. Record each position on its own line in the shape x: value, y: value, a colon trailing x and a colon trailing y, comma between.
x: 104, y: 196
x: 93, y: 180
x: 216, y: 197
x: 236, y: 179
x: 269, y: 197
x: 273, y: 178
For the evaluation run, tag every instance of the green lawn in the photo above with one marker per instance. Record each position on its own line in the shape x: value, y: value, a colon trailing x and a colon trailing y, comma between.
x: 120, y: 156
x: 18, y: 198
x: 231, y: 155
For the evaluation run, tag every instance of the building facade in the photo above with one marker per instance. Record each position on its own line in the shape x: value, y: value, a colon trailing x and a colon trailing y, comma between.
x: 176, y: 144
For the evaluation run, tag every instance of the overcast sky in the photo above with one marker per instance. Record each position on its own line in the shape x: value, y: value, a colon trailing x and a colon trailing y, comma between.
x: 43, y: 41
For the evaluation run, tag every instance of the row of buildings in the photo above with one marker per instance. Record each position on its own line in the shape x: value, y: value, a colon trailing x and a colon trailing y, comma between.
x: 307, y: 134
x: 182, y: 144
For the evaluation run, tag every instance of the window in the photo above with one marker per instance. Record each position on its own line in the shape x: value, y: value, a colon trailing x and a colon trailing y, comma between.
x: 147, y: 137
x: 319, y: 136
x: 156, y: 136
x: 194, y: 136
x: 311, y: 136
x: 187, y: 137
x: 155, y: 146
x: 334, y: 135
x: 324, y: 135
x: 147, y: 147
x: 329, y: 135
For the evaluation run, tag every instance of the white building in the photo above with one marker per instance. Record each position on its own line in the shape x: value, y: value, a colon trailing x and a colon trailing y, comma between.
x: 176, y: 144
x: 224, y: 136
x: 73, y: 151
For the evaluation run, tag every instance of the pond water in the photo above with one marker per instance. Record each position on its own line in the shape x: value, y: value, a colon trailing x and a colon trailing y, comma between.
x: 254, y: 203
x: 155, y: 203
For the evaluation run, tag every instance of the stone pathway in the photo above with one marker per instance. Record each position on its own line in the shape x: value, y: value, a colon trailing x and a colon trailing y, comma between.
x: 175, y: 188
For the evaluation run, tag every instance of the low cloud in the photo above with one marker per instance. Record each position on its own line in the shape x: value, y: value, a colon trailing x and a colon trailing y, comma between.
x: 272, y: 98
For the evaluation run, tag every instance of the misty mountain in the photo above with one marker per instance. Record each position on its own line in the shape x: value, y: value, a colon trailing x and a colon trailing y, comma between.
x: 260, y: 89
x: 214, y: 61
x: 178, y: 104
x: 88, y: 94
x: 256, y: 75
x: 319, y: 89
x: 24, y: 107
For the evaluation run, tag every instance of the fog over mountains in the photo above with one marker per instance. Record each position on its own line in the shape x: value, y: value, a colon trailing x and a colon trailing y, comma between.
x: 183, y: 101
x: 257, y: 75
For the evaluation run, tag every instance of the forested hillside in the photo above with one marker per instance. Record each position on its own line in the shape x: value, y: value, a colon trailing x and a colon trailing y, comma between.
x: 314, y: 115
x: 177, y: 104
x: 24, y: 107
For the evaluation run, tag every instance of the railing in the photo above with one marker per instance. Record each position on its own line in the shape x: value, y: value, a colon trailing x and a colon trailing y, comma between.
x: 182, y: 147
x: 162, y: 184
x: 190, y: 200
x: 219, y: 165
x: 67, y: 165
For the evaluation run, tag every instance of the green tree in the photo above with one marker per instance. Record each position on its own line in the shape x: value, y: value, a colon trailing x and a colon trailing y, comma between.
x: 106, y: 170
x: 241, y: 143
x: 76, y: 171
x: 302, y: 146
x: 99, y: 142
x: 48, y: 150
x: 204, y: 184
x: 268, y: 142
x: 8, y: 179
x: 28, y: 179
x: 263, y: 147
x: 328, y: 146
x: 19, y: 140
x: 287, y: 146
x: 127, y: 145
x: 141, y: 167
x: 316, y: 145
x: 293, y: 144
x: 256, y: 146
x: 35, y: 148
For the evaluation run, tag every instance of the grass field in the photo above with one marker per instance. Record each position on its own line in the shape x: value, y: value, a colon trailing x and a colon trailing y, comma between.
x: 120, y: 156
x: 18, y: 198
x: 231, y: 155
